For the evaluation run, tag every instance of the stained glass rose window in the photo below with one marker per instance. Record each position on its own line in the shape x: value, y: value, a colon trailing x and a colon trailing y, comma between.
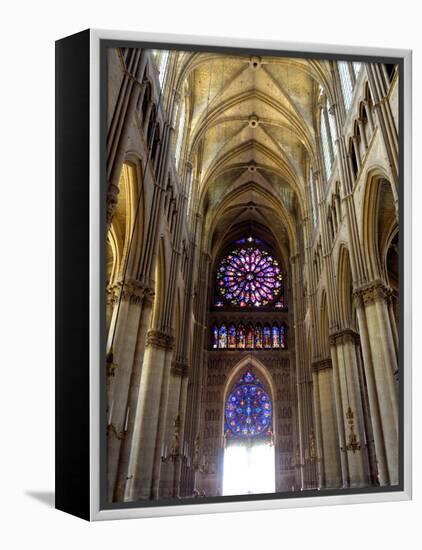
x: 249, y: 276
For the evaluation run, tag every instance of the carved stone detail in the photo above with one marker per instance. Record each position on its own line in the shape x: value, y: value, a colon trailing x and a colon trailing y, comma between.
x: 160, y: 339
x: 111, y: 201
x: 179, y: 368
x: 322, y: 364
x: 372, y: 292
x: 344, y: 336
x: 132, y: 291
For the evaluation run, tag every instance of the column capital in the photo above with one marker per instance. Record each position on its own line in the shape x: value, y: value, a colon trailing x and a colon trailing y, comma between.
x: 344, y: 336
x: 372, y: 292
x: 160, y: 339
x: 322, y: 364
x: 179, y: 368
x: 132, y: 291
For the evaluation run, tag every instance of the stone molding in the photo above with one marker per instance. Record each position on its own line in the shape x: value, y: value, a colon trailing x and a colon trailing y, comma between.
x: 372, y: 292
x: 322, y: 364
x: 111, y: 202
x: 132, y: 291
x: 179, y: 368
x: 160, y: 339
x: 344, y: 336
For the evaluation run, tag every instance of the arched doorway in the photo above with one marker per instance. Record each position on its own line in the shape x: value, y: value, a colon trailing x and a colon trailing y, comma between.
x: 249, y: 458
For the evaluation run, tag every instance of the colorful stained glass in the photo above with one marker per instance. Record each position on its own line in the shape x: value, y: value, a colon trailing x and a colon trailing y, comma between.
x: 241, y: 343
x: 275, y: 336
x: 281, y: 304
x: 215, y: 337
x: 267, y: 336
x: 232, y: 336
x: 222, y: 337
x: 283, y: 337
x: 250, y: 336
x: 248, y: 409
x: 258, y: 336
x: 249, y: 275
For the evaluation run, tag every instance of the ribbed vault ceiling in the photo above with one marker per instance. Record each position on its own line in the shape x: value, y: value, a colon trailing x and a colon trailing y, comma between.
x: 251, y: 136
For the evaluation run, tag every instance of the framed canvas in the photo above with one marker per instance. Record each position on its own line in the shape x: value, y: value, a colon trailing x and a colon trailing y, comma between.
x: 233, y: 274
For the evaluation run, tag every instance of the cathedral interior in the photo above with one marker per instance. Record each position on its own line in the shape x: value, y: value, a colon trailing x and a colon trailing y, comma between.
x: 252, y: 274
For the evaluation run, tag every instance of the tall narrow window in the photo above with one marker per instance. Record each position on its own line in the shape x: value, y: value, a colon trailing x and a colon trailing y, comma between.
x: 346, y: 83
x: 283, y: 343
x: 325, y: 145
x: 356, y: 68
x: 241, y: 337
x: 232, y: 336
x: 250, y: 336
x: 258, y: 336
x: 313, y: 196
x: 162, y: 67
x: 332, y: 125
x: 267, y: 336
x: 180, y: 132
x: 215, y: 337
x: 190, y: 191
x: 222, y: 337
x: 275, y: 336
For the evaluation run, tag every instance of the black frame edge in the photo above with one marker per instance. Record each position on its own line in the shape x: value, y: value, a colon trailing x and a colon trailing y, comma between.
x: 72, y: 447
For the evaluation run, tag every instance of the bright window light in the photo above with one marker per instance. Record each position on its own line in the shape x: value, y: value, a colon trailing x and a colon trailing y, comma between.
x: 249, y: 469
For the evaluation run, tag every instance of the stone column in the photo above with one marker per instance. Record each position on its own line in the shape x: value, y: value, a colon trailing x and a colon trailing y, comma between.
x: 146, y: 423
x: 303, y: 381
x: 352, y: 417
x: 121, y: 353
x: 123, y: 474
x: 167, y: 481
x: 374, y: 407
x: 338, y: 400
x: 393, y: 324
x: 181, y: 369
x: 329, y: 455
x: 318, y: 426
x: 166, y: 417
x: 384, y: 361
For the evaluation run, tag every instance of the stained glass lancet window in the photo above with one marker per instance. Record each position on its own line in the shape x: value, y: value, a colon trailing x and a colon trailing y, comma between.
x: 215, y: 337
x: 249, y: 275
x: 250, y: 336
x: 258, y: 336
x: 222, y: 337
x: 267, y: 336
x: 240, y: 337
x: 232, y: 336
x: 276, y: 337
x: 283, y: 337
x: 248, y: 411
